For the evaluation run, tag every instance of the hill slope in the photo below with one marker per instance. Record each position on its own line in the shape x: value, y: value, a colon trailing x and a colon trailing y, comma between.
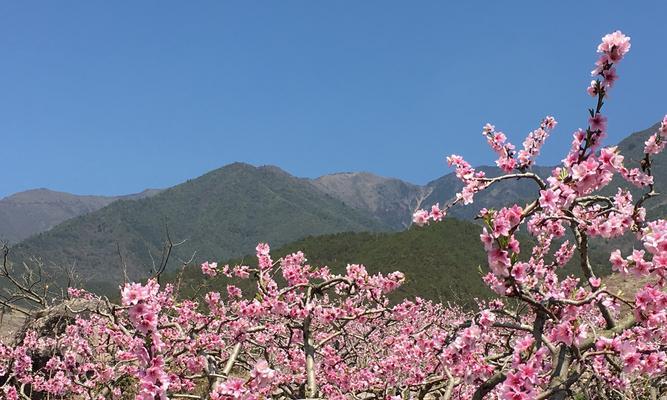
x: 221, y: 214
x: 390, y: 200
x: 27, y: 213
x: 436, y: 267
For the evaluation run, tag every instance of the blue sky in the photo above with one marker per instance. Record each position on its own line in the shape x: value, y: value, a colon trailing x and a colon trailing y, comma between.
x: 114, y: 97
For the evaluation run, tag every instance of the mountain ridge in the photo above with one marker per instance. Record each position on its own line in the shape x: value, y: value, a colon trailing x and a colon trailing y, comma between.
x: 29, y: 212
x: 389, y: 199
x: 221, y: 214
x: 225, y: 212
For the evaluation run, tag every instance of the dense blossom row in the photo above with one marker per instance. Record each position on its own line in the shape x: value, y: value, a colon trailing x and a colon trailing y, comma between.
x: 306, y: 332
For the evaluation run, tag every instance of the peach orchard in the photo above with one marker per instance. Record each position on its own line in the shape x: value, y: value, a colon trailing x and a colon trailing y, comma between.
x: 306, y: 332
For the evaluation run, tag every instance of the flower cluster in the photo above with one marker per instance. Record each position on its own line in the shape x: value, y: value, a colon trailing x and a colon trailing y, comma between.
x: 613, y: 48
x: 504, y: 149
x: 534, y: 142
x: 656, y: 143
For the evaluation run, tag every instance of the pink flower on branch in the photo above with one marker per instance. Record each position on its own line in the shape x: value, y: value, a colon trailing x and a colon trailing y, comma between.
x: 210, y: 269
x: 614, y: 46
x: 598, y: 122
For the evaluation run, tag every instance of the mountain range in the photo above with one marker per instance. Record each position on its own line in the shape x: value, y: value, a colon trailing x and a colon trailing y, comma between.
x: 224, y: 213
x: 26, y: 213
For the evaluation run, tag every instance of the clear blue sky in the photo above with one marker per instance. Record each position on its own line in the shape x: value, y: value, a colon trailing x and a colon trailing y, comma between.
x: 113, y: 97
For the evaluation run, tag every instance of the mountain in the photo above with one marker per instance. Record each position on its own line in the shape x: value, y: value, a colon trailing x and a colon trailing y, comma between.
x: 224, y: 213
x: 221, y: 214
x: 393, y: 201
x: 389, y: 200
x: 27, y: 213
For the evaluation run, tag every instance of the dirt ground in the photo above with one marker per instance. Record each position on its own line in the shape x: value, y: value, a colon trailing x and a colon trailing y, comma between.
x: 627, y: 285
x: 9, y: 323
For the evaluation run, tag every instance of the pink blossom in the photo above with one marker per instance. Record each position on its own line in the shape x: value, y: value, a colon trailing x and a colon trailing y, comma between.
x: 548, y: 199
x: 420, y: 217
x: 594, y: 88
x: 262, y: 374
x: 655, y: 144
x: 595, y: 282
x: 436, y: 213
x: 234, y: 292
x: 609, y: 77
x: 209, y: 269
x: 486, y: 318
x: 615, y: 45
x: 562, y: 333
x: 598, y: 122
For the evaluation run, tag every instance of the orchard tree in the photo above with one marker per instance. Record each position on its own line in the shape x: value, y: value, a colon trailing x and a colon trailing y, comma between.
x: 583, y: 339
x: 305, y: 332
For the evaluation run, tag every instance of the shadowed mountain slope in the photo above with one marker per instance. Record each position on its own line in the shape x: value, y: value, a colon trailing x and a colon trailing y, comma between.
x: 33, y: 211
x: 435, y: 266
x: 221, y: 214
x: 390, y: 200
